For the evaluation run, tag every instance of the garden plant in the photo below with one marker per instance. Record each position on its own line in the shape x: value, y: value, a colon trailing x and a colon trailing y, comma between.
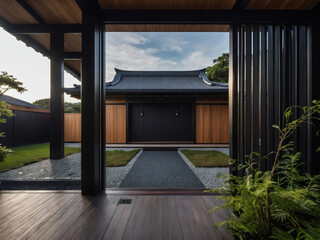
x: 283, y: 203
x: 7, y: 82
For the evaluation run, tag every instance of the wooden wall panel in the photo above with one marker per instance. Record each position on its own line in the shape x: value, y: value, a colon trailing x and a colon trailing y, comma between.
x: 116, y: 124
x: 212, y: 124
x: 72, y: 127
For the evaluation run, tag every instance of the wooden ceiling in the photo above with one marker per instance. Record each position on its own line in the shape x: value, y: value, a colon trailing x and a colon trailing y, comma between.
x: 12, y: 11
x: 282, y: 4
x: 68, y: 12
x: 166, y: 4
x: 205, y: 4
x: 166, y: 28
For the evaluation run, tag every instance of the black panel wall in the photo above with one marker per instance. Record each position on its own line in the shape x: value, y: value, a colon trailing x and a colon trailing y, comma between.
x: 271, y: 71
x: 26, y: 128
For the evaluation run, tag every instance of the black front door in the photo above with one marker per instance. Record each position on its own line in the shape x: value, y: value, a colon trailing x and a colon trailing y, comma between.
x: 160, y: 122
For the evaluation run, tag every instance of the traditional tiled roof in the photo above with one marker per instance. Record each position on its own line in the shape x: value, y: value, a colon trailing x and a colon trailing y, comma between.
x: 160, y: 82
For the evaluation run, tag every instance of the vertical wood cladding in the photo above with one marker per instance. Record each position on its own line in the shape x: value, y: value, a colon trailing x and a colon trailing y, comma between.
x: 212, y: 122
x: 72, y: 127
x: 273, y: 72
x: 116, y: 121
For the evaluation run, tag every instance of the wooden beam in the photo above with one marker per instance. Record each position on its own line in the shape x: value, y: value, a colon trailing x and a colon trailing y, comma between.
x: 31, y: 11
x: 43, y: 28
x: 89, y: 6
x: 56, y: 96
x: 240, y: 4
x: 205, y: 16
x: 73, y: 55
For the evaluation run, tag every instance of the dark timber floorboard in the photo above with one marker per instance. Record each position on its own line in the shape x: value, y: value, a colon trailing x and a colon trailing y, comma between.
x: 69, y: 215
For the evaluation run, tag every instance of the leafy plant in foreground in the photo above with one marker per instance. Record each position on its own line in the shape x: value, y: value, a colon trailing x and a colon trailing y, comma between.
x: 279, y: 204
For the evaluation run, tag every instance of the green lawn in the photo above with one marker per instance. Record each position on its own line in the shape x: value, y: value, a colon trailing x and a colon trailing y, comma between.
x: 207, y: 158
x: 118, y: 158
x: 29, y: 154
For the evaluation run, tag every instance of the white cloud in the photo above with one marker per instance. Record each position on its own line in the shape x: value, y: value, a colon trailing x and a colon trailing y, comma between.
x: 29, y: 67
x: 196, y: 60
x: 173, y: 44
x: 129, y: 57
x: 126, y: 38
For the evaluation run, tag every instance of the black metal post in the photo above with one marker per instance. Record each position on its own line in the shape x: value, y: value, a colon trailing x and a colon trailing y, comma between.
x: 233, y: 92
x: 315, y: 163
x: 57, y: 100
x: 93, y: 140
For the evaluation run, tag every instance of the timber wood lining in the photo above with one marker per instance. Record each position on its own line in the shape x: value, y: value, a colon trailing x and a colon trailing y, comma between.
x: 72, y: 127
x: 212, y: 124
x: 27, y: 109
x: 115, y: 100
x: 116, y: 124
x: 167, y: 28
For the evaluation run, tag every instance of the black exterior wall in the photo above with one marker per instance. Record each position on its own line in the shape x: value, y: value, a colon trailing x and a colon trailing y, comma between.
x: 161, y: 122
x: 26, y: 128
x: 314, y: 89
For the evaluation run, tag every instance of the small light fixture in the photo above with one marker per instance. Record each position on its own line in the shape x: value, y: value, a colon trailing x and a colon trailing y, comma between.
x: 177, y: 113
x: 141, y: 114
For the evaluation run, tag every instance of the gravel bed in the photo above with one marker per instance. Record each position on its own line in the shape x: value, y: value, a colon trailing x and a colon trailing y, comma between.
x: 115, y: 175
x: 67, y: 168
x: 207, y: 175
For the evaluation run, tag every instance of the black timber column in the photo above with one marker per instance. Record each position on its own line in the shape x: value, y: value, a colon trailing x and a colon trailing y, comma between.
x: 233, y: 90
x: 93, y: 136
x: 56, y: 96
x: 315, y: 164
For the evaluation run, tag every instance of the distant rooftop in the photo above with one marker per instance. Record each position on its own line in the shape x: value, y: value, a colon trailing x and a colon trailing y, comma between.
x: 195, y: 81
x: 18, y: 102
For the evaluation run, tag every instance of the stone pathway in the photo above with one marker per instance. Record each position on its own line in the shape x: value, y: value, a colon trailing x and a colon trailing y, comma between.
x: 161, y: 169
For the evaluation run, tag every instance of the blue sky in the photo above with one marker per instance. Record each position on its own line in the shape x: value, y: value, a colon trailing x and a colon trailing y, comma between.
x: 128, y: 51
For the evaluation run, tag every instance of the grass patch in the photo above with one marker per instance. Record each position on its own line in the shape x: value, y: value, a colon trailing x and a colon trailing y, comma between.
x: 118, y: 158
x: 22, y: 156
x: 207, y: 158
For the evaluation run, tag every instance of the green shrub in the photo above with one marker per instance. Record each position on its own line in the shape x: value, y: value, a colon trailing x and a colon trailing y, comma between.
x: 279, y: 204
x: 4, y: 152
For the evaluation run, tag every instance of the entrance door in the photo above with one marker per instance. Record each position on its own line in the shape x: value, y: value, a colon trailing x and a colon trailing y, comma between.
x: 162, y: 122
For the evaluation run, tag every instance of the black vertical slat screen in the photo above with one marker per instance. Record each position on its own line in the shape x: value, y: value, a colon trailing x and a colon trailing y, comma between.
x: 255, y: 89
x: 248, y: 83
x: 241, y: 94
x: 270, y: 94
x: 270, y: 72
x: 263, y: 97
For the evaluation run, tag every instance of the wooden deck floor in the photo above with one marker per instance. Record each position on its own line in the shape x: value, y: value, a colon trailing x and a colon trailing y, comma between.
x: 69, y: 215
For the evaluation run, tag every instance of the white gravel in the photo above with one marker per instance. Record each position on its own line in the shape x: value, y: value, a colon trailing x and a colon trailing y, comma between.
x: 115, y: 175
x: 208, y: 175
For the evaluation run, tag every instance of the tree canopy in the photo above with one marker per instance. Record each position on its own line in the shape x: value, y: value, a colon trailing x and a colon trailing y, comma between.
x: 219, y: 72
x: 68, y: 107
x: 8, y: 82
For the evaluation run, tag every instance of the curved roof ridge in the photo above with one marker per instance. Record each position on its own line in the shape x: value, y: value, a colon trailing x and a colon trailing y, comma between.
x: 154, y: 73
x: 206, y: 80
